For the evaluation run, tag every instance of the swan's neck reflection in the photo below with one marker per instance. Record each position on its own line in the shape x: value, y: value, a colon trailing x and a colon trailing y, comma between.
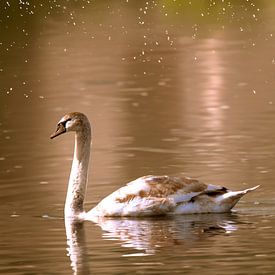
x: 77, y: 250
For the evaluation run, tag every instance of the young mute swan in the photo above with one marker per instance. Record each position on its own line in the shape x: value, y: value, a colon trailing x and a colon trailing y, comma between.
x: 145, y: 196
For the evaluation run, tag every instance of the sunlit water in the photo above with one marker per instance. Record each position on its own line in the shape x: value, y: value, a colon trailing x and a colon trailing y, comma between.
x: 171, y: 88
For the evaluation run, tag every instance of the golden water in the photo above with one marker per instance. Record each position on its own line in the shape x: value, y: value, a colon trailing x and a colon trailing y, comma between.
x: 171, y: 87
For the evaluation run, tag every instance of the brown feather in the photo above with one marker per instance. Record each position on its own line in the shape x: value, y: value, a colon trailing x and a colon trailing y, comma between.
x: 164, y: 186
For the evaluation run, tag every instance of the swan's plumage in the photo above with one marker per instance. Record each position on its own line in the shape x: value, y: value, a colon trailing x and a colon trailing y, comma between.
x: 159, y: 195
x: 145, y: 196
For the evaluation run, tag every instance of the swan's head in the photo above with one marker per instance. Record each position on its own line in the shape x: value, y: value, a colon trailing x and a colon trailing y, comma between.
x: 71, y: 122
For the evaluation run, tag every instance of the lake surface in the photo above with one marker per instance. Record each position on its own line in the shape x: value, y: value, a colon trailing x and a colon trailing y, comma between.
x: 171, y: 87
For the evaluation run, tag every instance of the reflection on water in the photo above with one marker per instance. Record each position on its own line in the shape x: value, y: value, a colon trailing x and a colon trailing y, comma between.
x: 77, y: 249
x: 151, y: 235
x: 171, y: 87
x: 147, y: 236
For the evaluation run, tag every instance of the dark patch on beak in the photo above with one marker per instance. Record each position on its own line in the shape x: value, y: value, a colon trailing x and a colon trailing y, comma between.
x: 59, y: 131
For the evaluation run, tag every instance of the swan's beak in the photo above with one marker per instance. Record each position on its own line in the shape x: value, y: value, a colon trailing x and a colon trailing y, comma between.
x: 60, y: 130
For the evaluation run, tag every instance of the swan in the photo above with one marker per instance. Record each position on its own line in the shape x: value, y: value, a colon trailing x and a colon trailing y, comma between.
x: 145, y: 196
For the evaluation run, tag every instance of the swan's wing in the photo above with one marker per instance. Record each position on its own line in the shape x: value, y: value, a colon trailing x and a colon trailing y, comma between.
x: 151, y: 195
x: 179, y: 189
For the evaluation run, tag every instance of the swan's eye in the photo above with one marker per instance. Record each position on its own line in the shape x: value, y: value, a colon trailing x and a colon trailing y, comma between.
x: 69, y: 119
x: 64, y: 122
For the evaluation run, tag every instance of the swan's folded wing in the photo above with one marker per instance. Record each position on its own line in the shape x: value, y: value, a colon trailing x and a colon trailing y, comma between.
x: 178, y: 189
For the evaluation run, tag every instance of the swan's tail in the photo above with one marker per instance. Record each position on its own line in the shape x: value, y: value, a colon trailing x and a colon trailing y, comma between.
x: 243, y: 192
x: 232, y: 197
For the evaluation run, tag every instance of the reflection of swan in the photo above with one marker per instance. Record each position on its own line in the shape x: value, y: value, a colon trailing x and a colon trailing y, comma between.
x: 146, y: 196
x: 152, y: 234
x: 77, y: 246
x: 147, y: 236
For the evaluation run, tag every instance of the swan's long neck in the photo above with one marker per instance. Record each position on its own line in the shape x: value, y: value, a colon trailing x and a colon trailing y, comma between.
x: 79, y: 173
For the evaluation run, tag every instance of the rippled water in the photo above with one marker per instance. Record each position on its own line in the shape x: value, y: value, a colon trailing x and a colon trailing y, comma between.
x: 171, y: 87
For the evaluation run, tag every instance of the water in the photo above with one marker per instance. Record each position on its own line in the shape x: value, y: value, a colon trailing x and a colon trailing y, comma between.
x: 171, y: 87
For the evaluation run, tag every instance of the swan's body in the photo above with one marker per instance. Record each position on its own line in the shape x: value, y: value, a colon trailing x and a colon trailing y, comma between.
x: 145, y: 196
